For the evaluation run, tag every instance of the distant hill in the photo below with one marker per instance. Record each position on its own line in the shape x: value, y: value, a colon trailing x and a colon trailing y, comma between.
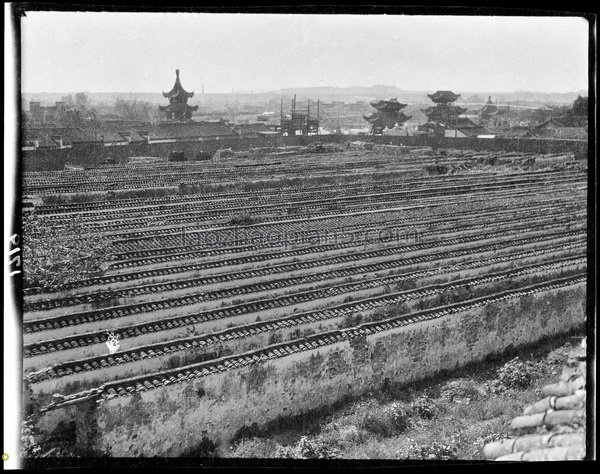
x: 325, y: 94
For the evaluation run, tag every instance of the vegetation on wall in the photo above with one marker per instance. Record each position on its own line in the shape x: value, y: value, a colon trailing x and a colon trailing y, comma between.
x: 53, y: 255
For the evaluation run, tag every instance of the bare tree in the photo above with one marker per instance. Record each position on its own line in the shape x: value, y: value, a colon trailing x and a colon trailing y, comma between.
x: 134, y: 109
x: 81, y: 99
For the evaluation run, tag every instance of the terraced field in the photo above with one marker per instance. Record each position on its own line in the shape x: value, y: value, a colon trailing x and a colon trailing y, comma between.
x: 267, y: 261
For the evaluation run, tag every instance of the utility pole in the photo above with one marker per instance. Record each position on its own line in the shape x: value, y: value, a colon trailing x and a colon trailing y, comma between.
x: 308, y: 118
x: 293, y: 127
x: 318, y: 119
x: 281, y: 117
x: 455, y: 123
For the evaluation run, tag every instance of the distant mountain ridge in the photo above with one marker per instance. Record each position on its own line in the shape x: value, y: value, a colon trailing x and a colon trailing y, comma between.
x: 324, y: 93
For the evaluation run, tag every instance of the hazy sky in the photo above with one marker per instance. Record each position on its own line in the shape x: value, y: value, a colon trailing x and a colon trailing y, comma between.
x: 139, y: 52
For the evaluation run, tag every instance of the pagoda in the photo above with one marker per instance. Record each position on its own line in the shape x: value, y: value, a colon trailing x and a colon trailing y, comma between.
x: 388, y: 115
x: 444, y: 111
x: 178, y: 109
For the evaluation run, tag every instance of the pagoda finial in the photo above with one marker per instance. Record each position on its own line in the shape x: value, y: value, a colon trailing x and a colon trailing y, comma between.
x: 177, y: 73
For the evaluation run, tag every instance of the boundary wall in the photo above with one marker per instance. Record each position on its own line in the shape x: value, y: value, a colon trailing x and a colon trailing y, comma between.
x: 91, y: 155
x: 171, y: 420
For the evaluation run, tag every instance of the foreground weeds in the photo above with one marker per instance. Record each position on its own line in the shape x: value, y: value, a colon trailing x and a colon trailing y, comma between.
x: 446, y: 419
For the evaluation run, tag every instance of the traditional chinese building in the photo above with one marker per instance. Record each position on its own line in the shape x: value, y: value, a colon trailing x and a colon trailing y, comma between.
x: 444, y: 112
x: 388, y: 115
x: 445, y: 118
x: 178, y: 109
x: 491, y: 114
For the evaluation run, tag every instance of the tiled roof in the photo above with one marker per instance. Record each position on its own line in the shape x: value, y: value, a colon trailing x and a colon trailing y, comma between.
x: 567, y: 121
x: 514, y: 132
x: 116, y: 133
x: 391, y: 105
x: 555, y: 129
x: 109, y: 133
x: 442, y: 113
x: 69, y: 135
x: 183, y: 130
x: 177, y: 89
x: 246, y: 129
x: 553, y: 428
x: 443, y: 96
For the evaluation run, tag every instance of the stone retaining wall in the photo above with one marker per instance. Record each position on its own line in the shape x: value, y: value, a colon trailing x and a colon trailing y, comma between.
x: 168, y: 421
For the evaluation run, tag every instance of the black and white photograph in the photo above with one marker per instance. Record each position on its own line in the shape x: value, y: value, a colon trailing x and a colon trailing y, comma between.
x: 298, y: 236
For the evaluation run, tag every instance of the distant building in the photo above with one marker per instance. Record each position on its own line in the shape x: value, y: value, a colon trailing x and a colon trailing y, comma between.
x: 43, y: 115
x: 190, y: 130
x: 572, y: 125
x: 178, y: 109
x: 447, y: 119
x: 252, y: 130
x: 299, y: 121
x: 444, y: 112
x: 560, y: 127
x: 517, y: 131
x: 116, y: 134
x: 465, y: 128
x: 388, y: 114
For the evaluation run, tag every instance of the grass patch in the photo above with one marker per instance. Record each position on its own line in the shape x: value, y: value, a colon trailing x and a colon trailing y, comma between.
x: 450, y: 417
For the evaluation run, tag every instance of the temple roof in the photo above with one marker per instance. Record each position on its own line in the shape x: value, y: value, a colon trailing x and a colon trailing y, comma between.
x: 191, y: 130
x: 391, y: 105
x: 388, y: 120
x: 178, y: 90
x: 169, y: 108
x: 443, y: 96
x: 451, y: 109
x: 490, y: 108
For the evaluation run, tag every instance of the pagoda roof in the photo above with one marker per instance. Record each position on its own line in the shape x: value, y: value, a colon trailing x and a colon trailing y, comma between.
x: 454, y: 109
x: 391, y: 105
x: 443, y: 96
x: 169, y: 108
x: 387, y: 119
x: 490, y: 108
x: 178, y: 90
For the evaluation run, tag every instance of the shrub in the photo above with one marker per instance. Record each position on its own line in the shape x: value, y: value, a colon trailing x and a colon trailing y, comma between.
x: 461, y: 390
x: 244, y: 219
x: 30, y: 447
x: 434, y: 450
x: 350, y: 320
x: 307, y: 449
x: 559, y: 356
x: 254, y: 448
x: 59, y: 443
x: 384, y: 421
x: 398, y: 416
x: 342, y: 436
x: 55, y: 255
x: 275, y: 338
x: 423, y: 407
x: 514, y: 374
